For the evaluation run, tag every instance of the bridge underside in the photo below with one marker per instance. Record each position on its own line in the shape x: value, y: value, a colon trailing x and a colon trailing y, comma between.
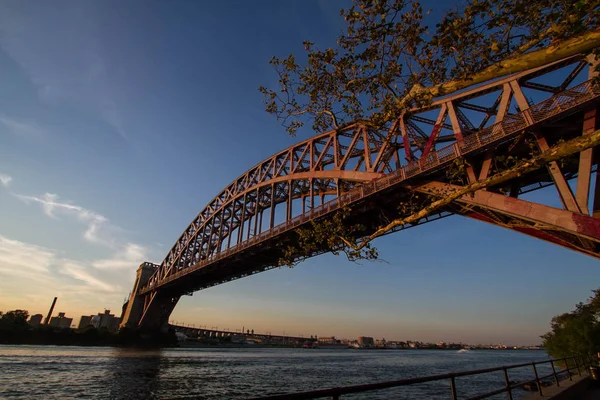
x: 378, y: 184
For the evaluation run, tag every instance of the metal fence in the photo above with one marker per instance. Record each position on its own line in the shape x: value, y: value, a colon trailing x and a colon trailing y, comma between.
x: 562, y: 369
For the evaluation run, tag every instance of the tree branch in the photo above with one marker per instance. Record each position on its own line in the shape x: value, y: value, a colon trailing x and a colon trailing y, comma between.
x: 578, y: 44
x: 553, y: 154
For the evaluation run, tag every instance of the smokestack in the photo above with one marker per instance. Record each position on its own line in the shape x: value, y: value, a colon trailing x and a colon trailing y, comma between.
x: 50, y: 312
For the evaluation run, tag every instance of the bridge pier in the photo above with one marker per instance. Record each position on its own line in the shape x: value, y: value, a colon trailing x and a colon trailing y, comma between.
x: 149, y: 311
x: 134, y: 308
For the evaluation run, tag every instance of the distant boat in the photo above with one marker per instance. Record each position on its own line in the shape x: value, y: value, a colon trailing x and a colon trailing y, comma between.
x: 463, y: 351
x: 324, y: 345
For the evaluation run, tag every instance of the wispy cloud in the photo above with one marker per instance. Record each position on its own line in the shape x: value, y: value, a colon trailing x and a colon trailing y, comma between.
x: 20, y: 127
x: 41, y: 266
x: 132, y: 254
x: 77, y: 271
x: 5, y: 179
x: 53, y: 207
x: 23, y: 256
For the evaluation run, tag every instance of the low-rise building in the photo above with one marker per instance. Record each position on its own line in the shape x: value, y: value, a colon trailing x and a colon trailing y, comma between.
x: 36, y: 319
x: 85, y: 321
x: 61, y: 321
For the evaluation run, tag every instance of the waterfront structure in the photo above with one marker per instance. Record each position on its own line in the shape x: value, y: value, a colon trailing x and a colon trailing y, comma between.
x: 369, y: 172
x: 365, y: 341
x: 61, y: 321
x: 85, y: 321
x: 36, y: 319
x: 102, y: 320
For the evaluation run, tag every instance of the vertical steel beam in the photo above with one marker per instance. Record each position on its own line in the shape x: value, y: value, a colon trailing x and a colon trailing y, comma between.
x: 312, y: 197
x: 367, y: 150
x: 504, y: 103
x: 459, y: 137
x: 582, y: 194
x: 454, y: 120
x: 272, y: 222
x: 336, y: 148
x: 256, y: 206
x: 230, y: 230
x: 289, y: 202
x: 210, y: 235
x: 242, y: 221
x: 436, y: 131
x: 562, y: 186
x: 250, y: 217
x: 500, y: 114
x: 405, y: 139
x: 219, y: 239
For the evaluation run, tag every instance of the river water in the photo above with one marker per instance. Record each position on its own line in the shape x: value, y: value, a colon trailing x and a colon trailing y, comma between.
x: 49, y: 372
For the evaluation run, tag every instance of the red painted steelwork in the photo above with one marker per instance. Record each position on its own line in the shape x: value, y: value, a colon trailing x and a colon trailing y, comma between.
x: 363, y: 170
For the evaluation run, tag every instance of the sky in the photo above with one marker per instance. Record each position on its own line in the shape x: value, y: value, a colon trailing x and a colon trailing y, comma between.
x: 120, y: 121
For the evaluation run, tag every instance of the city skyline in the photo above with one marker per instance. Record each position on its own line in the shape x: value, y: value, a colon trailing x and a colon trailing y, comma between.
x: 112, y: 139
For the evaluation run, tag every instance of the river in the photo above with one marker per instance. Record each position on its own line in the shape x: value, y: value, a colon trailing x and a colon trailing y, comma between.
x: 51, y: 372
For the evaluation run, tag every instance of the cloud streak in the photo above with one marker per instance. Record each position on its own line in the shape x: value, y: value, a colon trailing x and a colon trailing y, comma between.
x: 52, y: 207
x: 5, y: 179
x: 46, y: 267
x: 20, y: 128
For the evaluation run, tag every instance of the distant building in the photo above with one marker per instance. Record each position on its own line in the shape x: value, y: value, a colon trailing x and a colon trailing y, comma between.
x: 365, y: 341
x: 36, y: 319
x: 61, y: 321
x: 102, y: 320
x: 85, y: 321
x: 327, y: 339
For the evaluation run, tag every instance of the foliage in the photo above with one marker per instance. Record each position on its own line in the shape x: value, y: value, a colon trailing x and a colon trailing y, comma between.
x: 576, y: 332
x: 16, y: 319
x: 391, y: 59
x: 14, y: 329
x: 389, y: 53
x: 326, y: 236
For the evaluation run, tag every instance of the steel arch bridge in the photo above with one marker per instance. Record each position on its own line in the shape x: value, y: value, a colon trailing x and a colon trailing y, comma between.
x: 245, y: 228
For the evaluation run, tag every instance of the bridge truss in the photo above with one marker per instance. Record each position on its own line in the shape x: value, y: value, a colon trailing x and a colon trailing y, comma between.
x: 244, y: 229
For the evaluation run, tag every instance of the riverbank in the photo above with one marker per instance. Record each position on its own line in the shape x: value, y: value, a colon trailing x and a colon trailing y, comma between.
x: 90, y: 336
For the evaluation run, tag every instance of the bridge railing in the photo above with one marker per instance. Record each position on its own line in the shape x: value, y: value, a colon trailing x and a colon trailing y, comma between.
x: 561, y: 103
x: 571, y: 364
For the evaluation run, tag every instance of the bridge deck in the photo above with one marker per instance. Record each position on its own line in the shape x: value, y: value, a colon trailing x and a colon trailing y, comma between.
x: 261, y: 252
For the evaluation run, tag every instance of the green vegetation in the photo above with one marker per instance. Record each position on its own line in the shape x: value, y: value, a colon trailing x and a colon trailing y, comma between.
x: 14, y: 329
x: 575, y: 332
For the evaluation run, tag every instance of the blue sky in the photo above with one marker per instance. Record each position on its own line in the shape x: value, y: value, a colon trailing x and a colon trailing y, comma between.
x: 119, y: 121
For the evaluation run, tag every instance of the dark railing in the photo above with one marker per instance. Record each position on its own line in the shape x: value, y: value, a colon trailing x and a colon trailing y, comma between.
x: 572, y: 365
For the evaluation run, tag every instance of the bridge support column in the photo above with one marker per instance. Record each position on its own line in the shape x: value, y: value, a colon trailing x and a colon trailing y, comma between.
x: 134, y: 308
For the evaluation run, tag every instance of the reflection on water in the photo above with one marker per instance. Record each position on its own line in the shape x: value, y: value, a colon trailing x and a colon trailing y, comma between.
x: 133, y: 374
x: 50, y: 372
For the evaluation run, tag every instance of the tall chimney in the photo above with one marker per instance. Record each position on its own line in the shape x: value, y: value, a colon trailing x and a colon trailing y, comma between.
x: 50, y: 312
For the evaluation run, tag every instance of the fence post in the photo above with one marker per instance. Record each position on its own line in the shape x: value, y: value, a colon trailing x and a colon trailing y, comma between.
x: 568, y: 369
x: 453, y: 388
x: 577, y: 365
x: 537, y: 379
x: 508, y: 388
x: 554, y: 373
